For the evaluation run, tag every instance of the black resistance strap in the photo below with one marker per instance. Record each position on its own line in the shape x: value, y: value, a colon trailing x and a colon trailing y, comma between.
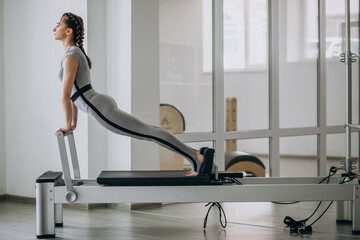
x: 81, y: 91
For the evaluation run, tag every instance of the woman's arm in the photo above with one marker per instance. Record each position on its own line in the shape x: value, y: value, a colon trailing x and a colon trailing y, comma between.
x: 70, y: 67
x: 74, y: 116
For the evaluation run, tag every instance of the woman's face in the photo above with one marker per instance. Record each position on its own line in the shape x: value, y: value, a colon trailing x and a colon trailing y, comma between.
x: 61, y: 30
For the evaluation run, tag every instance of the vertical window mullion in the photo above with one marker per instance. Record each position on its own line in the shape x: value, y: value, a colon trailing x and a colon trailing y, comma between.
x: 246, y: 32
x: 274, y: 141
x: 321, y: 92
x: 218, y: 82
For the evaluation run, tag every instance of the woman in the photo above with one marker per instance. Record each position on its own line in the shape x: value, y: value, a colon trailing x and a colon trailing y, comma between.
x: 78, y: 93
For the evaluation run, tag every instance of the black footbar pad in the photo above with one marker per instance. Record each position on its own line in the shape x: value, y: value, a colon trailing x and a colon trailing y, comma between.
x: 150, y: 178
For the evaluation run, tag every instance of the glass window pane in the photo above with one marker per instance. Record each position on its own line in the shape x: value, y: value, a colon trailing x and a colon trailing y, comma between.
x: 336, y: 149
x: 250, y: 155
x: 184, y: 81
x: 245, y: 63
x: 298, y: 53
x: 335, y: 70
x: 298, y: 156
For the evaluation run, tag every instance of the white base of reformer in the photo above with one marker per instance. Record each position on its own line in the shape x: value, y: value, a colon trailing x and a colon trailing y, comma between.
x: 50, y: 197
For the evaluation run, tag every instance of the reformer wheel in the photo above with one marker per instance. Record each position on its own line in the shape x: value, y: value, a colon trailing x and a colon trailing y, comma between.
x: 240, y: 161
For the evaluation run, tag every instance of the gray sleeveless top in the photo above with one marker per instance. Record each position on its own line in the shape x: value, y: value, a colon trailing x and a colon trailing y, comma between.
x: 82, y: 77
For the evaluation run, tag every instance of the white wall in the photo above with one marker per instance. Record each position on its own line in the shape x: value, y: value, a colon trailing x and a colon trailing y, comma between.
x: 145, y: 78
x: 96, y: 50
x: 2, y: 105
x: 32, y: 91
x: 118, y: 68
x: 30, y: 85
x: 124, y: 42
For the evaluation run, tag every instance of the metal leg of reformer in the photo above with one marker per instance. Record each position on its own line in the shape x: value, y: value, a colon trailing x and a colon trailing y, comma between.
x: 356, y: 211
x: 45, y: 210
x: 59, y: 215
x: 344, y: 212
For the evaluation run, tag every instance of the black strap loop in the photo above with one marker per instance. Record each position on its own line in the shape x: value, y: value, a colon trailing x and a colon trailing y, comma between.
x: 80, y: 92
x: 290, y: 222
x: 221, y: 212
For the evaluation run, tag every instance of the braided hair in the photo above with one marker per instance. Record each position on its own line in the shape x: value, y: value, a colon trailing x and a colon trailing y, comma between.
x: 76, y: 24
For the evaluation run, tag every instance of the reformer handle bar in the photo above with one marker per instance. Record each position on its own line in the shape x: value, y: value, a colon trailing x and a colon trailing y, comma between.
x: 70, y: 195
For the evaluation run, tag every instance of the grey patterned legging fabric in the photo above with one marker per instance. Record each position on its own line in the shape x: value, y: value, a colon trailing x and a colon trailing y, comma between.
x: 104, y: 110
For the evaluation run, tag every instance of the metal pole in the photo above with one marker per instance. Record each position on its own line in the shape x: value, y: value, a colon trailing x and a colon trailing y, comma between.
x: 274, y: 115
x: 73, y: 154
x: 218, y: 82
x: 348, y: 107
x: 321, y: 89
x: 358, y: 53
x: 70, y: 194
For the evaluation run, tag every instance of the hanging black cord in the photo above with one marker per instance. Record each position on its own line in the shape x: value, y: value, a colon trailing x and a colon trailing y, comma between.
x: 222, y: 215
x: 221, y: 211
x: 346, y: 181
x: 314, y: 211
x: 318, y: 206
x: 342, y: 182
x: 332, y: 172
x: 234, y: 180
x: 322, y: 213
x: 285, y: 203
x: 300, y: 226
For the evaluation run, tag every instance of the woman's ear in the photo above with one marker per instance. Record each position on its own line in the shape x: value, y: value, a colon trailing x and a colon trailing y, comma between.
x: 69, y: 31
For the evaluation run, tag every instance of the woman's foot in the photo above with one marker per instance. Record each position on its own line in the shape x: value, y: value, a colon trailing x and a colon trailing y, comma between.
x: 201, y: 159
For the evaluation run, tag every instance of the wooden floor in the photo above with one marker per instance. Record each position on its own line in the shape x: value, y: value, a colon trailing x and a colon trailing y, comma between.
x: 174, y: 221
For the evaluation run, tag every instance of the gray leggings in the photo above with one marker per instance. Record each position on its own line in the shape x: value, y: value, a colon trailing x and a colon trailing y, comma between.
x: 104, y: 110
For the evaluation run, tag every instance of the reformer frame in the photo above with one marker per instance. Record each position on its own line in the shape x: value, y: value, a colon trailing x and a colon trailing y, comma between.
x: 52, y: 191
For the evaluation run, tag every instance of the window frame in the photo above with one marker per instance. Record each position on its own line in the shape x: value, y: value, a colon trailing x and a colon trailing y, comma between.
x: 274, y: 133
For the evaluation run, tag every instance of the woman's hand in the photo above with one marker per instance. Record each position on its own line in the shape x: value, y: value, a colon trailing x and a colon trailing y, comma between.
x: 73, y: 126
x: 64, y: 130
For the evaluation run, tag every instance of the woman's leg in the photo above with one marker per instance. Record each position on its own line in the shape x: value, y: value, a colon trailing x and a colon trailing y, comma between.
x: 123, y: 123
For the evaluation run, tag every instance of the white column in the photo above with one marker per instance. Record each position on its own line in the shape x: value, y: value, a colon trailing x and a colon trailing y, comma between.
x: 118, y: 68
x: 123, y: 43
x: 96, y: 50
x: 2, y: 105
x: 145, y: 78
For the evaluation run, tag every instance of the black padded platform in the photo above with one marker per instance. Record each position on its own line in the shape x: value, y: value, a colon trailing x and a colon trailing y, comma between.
x: 49, y: 176
x: 150, y: 178
x: 223, y: 175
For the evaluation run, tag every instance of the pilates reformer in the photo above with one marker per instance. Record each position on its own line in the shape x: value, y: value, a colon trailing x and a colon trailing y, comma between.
x: 53, y: 189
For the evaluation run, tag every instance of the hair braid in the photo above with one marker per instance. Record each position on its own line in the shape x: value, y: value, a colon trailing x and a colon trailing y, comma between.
x: 76, y: 24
